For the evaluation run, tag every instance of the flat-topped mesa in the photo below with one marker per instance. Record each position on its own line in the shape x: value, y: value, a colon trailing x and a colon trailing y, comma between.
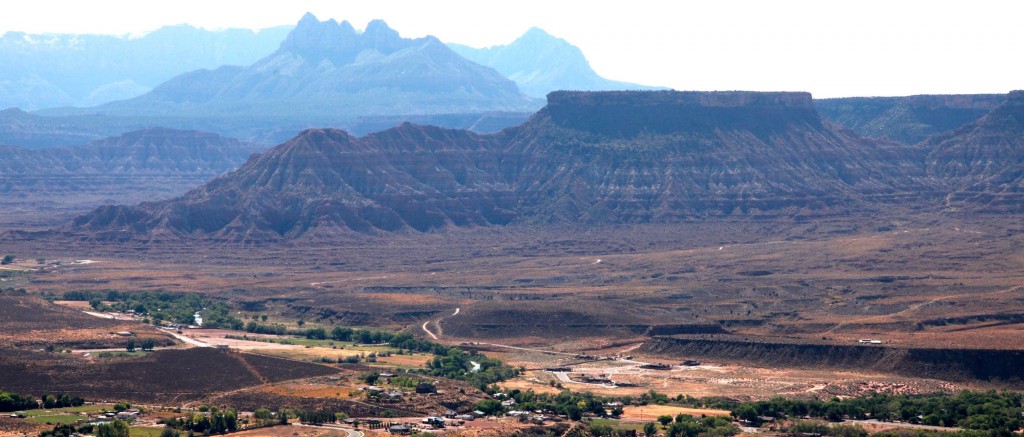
x: 627, y: 113
x: 1015, y: 97
x: 720, y: 99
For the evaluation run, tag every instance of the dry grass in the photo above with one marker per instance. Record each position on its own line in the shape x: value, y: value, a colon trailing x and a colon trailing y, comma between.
x: 648, y: 413
x: 309, y: 390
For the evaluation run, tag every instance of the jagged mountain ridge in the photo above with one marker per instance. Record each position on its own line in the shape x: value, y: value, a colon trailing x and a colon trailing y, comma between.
x: 676, y: 156
x: 540, y: 63
x: 326, y: 71
x: 908, y: 119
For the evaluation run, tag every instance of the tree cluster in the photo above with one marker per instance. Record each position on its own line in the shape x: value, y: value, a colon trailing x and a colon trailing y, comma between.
x: 161, y: 306
x: 989, y: 410
x: 316, y: 417
x: 212, y: 422
x: 16, y: 402
x: 61, y: 401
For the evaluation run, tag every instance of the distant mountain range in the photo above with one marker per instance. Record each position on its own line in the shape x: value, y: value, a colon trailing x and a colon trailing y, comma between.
x: 611, y: 157
x: 50, y: 70
x: 540, y: 63
x: 327, y: 72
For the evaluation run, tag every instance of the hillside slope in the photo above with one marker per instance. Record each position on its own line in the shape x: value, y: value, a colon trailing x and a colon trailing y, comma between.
x: 41, y: 187
x: 612, y: 157
x: 982, y: 163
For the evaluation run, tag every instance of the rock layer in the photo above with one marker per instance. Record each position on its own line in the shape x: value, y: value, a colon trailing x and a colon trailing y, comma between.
x: 606, y: 157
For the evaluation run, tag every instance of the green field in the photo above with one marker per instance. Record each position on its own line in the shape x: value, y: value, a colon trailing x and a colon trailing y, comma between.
x: 57, y: 419
x: 144, y: 431
x: 63, y: 415
x: 618, y: 424
x: 91, y: 408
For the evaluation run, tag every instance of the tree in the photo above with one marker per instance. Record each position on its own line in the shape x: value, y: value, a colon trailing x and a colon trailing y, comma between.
x: 747, y: 413
x: 264, y: 317
x: 117, y: 428
x: 371, y: 378
x: 169, y: 432
x: 650, y: 429
x: 301, y: 322
x: 600, y: 430
x: 664, y: 419
x: 130, y: 345
x: 148, y: 344
x: 489, y: 406
x: 7, y: 259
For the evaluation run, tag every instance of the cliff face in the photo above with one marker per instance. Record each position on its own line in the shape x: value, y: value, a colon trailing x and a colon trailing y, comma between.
x: 982, y: 163
x: 606, y: 157
x: 950, y: 364
x: 667, y: 156
x: 907, y: 119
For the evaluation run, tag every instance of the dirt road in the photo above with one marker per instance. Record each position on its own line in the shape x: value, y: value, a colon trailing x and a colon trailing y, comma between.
x: 185, y: 339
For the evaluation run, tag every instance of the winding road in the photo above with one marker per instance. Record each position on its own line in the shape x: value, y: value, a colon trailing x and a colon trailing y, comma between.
x: 438, y: 324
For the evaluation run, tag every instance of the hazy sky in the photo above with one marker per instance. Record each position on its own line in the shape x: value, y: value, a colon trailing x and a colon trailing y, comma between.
x: 831, y: 48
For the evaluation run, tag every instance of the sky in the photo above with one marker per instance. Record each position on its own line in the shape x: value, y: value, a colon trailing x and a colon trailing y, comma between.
x: 835, y: 48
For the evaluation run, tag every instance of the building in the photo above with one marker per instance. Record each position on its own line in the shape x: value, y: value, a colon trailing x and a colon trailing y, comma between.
x: 400, y: 429
x: 128, y: 415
